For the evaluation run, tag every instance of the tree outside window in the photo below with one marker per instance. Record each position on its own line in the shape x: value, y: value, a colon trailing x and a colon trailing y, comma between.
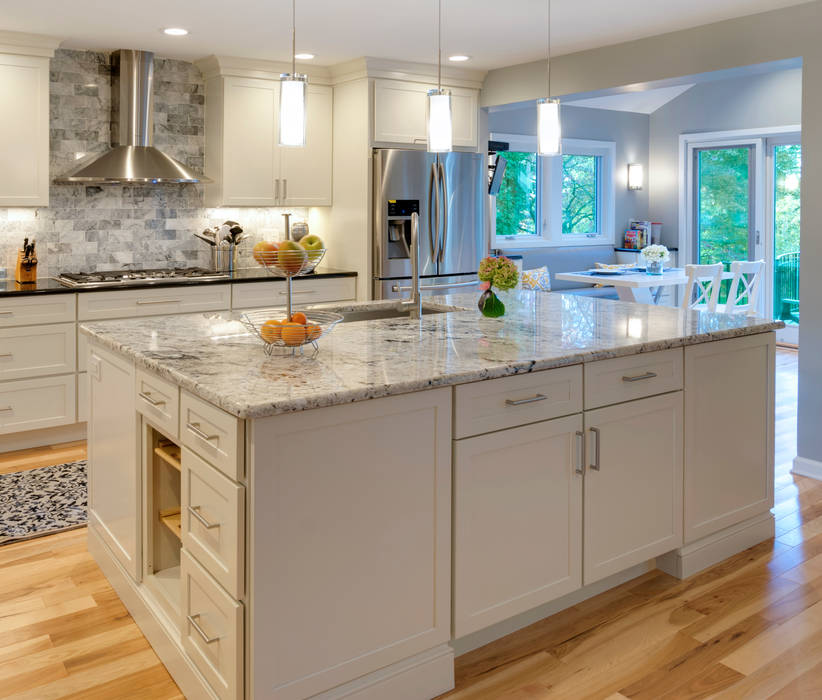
x: 517, y: 198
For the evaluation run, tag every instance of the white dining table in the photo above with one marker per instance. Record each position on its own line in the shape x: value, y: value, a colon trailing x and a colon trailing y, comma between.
x: 633, y: 285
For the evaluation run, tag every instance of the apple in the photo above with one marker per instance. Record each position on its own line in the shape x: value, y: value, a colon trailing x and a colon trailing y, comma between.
x: 291, y: 256
x: 265, y: 253
x: 313, y: 243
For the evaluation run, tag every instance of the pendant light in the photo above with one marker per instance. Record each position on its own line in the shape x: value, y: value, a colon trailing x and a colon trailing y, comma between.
x: 549, y: 132
x: 292, y: 95
x: 440, y: 132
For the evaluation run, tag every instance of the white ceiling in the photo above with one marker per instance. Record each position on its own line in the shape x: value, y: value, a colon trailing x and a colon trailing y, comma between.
x: 493, y: 33
x: 644, y: 102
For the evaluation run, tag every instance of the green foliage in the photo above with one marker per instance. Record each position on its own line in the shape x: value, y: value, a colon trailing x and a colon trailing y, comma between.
x: 579, y: 194
x: 723, y: 204
x: 491, y: 305
x: 517, y: 198
x: 787, y: 172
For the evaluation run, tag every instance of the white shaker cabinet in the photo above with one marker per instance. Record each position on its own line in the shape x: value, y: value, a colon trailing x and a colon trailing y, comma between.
x: 517, y: 520
x: 633, y: 484
x: 243, y: 157
x: 400, y: 110
x: 24, y: 130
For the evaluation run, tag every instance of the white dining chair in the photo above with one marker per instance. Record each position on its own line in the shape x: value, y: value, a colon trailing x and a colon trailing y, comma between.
x: 744, y: 292
x: 702, y: 290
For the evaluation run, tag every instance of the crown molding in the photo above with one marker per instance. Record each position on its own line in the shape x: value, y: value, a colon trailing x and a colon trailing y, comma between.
x: 212, y: 66
x: 28, y: 44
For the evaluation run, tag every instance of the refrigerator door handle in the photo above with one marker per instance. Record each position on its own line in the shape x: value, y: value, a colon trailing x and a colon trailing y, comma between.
x: 433, y: 210
x: 444, y: 185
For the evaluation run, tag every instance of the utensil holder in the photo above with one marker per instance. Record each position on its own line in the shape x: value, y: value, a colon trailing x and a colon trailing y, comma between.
x: 225, y: 258
x: 26, y: 270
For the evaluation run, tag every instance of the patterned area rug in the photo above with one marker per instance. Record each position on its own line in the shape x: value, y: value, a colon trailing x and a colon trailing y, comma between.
x: 42, y: 501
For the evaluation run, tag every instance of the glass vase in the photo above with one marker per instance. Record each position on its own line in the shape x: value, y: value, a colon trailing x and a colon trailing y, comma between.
x: 653, y: 267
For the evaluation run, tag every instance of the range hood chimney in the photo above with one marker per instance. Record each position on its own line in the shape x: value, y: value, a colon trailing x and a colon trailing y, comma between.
x: 132, y: 158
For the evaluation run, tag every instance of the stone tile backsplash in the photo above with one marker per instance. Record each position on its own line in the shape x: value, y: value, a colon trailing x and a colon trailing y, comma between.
x: 89, y: 228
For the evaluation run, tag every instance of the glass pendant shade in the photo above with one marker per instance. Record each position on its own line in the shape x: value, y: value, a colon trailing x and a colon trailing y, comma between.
x: 440, y: 132
x: 292, y: 109
x: 549, y: 133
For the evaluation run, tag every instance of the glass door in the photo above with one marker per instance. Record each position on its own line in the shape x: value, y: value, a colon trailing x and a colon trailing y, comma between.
x: 784, y: 186
x: 725, y: 219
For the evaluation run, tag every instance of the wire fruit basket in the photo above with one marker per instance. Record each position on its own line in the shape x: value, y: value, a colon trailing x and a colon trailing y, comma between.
x: 289, y: 330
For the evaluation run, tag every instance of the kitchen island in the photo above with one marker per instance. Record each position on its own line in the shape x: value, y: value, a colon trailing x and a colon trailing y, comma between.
x: 336, y: 525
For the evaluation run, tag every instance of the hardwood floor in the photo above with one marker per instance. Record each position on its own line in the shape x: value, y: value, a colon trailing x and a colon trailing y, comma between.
x: 750, y: 627
x: 22, y: 460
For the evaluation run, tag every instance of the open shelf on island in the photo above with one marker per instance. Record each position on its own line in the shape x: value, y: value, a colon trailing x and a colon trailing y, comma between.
x: 171, y: 519
x: 169, y: 453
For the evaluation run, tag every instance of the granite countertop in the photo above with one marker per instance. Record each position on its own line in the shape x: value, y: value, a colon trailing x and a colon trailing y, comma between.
x: 48, y: 285
x: 213, y: 356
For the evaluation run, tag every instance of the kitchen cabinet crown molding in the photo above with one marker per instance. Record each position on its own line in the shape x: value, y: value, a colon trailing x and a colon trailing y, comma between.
x: 213, y: 66
x: 372, y: 67
x: 28, y: 44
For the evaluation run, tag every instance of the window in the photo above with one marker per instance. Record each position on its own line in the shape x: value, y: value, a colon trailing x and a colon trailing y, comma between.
x: 566, y: 200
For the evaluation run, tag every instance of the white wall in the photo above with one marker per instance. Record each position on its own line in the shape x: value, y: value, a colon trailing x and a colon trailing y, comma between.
x: 759, y: 101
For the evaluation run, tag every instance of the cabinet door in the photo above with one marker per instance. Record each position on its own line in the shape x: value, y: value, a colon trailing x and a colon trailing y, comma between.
x: 729, y: 423
x: 517, y: 521
x: 633, y: 484
x: 250, y: 151
x: 306, y: 171
x: 114, y: 482
x: 24, y: 131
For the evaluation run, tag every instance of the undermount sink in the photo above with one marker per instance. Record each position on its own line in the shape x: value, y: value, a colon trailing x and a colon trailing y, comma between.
x: 389, y: 312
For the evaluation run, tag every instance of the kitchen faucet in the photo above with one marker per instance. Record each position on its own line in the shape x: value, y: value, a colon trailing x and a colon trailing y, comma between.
x: 414, y: 302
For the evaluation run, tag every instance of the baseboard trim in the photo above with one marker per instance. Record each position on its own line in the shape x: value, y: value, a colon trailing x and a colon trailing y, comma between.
x: 162, y: 640
x: 697, y: 556
x: 426, y: 675
x: 803, y: 466
x: 42, y: 438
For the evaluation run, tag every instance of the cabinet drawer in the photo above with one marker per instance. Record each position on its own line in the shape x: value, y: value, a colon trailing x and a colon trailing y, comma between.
x: 212, y: 630
x: 159, y: 401
x: 213, y: 434
x: 95, y: 306
x: 633, y: 377
x: 306, y: 291
x: 483, y: 407
x: 31, y: 404
x: 27, y: 311
x: 213, y: 522
x: 37, y: 351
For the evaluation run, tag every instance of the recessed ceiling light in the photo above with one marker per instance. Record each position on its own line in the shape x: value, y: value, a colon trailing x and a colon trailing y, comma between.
x: 303, y: 56
x: 175, y: 31
x: 458, y: 58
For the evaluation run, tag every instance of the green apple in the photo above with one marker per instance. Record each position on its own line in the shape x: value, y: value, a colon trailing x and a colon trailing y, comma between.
x: 313, y: 244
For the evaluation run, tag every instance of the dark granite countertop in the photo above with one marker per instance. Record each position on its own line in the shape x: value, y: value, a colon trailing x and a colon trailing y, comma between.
x: 47, y: 285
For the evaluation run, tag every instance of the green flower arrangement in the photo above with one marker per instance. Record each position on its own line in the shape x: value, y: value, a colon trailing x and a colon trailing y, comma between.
x: 499, y: 272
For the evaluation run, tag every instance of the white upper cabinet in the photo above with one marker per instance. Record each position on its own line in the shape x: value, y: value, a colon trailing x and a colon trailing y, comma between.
x: 24, y: 122
x: 400, y: 113
x: 243, y: 157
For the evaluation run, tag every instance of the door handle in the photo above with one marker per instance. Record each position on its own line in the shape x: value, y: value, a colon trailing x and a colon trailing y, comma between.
x: 595, y: 464
x: 7, y: 354
x: 580, y: 468
x: 192, y: 619
x: 194, y: 510
x: 444, y: 186
x: 6, y: 409
x: 640, y: 377
x: 195, y: 428
x: 285, y: 188
x: 276, y: 189
x: 147, y: 397
x: 520, y: 402
x: 149, y: 302
x: 433, y: 217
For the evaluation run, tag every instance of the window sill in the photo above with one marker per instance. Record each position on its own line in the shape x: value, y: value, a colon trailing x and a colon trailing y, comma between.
x: 521, y: 243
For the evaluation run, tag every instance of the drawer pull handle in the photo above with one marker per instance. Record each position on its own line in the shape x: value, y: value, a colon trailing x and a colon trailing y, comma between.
x: 595, y: 465
x: 195, y: 428
x: 194, y: 510
x: 6, y: 409
x: 580, y: 469
x: 640, y: 377
x: 520, y: 402
x: 6, y: 313
x: 192, y: 619
x: 146, y: 396
x: 146, y: 302
x: 7, y: 354
x: 300, y: 291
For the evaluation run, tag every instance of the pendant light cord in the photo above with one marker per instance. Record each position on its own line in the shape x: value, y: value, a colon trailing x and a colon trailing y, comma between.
x: 293, y: 38
x: 549, y: 49
x: 439, y: 45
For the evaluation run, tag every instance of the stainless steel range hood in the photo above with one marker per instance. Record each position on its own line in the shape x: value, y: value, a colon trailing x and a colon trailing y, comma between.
x: 132, y: 158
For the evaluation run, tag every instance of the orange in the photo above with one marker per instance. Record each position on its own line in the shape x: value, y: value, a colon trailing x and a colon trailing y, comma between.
x: 265, y: 253
x: 270, y: 331
x: 312, y: 332
x: 293, y: 333
x: 299, y: 317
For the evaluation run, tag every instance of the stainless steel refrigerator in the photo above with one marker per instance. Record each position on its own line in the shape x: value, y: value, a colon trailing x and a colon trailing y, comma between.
x: 448, y: 191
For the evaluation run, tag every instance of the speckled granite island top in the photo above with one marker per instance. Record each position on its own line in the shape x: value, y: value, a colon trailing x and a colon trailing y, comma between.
x: 214, y: 357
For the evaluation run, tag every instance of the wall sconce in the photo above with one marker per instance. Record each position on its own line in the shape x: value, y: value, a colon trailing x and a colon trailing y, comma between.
x: 635, y: 176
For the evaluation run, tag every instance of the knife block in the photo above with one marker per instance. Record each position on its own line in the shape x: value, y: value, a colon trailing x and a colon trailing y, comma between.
x: 26, y: 270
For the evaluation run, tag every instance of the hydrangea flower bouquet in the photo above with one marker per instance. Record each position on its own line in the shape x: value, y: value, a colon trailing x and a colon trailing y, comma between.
x: 501, y: 273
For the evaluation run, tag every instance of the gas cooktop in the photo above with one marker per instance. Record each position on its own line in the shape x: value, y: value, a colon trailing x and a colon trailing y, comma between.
x: 121, y: 277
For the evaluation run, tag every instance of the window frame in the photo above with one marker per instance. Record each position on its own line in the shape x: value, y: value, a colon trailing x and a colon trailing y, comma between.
x: 549, y: 198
